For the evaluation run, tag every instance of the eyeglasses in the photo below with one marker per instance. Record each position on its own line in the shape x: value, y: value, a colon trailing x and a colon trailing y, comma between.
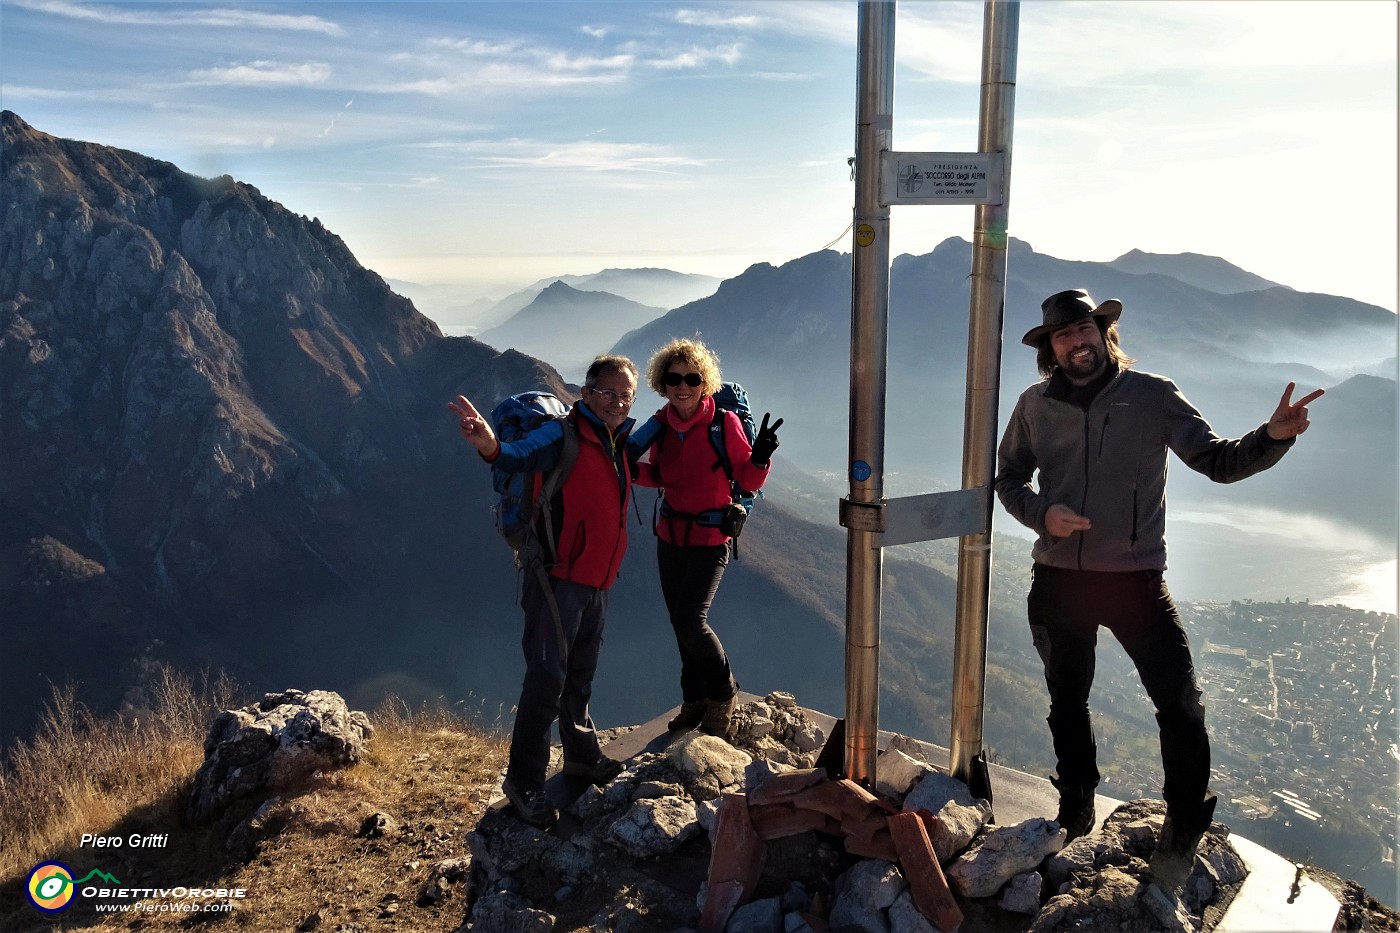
x: 611, y: 397
x: 691, y: 379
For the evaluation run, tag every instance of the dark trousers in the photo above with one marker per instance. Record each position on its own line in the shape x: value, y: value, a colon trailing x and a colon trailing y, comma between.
x: 689, y: 580
x: 1066, y: 608
x: 557, y: 684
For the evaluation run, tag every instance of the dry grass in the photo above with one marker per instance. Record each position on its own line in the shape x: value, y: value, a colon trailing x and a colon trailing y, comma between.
x: 82, y: 771
x: 302, y: 859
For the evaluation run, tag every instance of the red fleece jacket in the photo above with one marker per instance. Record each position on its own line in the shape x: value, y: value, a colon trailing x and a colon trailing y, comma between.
x: 685, y: 465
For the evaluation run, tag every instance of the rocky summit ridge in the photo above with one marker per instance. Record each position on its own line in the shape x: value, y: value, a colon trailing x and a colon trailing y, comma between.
x: 213, y: 416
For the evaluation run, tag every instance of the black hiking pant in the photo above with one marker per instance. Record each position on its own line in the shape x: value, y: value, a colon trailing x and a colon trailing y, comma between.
x: 689, y: 580
x: 1065, y: 609
x: 557, y: 684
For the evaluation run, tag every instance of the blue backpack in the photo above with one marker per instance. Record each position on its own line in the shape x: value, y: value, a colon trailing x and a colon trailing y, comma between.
x: 732, y: 397
x: 520, y: 497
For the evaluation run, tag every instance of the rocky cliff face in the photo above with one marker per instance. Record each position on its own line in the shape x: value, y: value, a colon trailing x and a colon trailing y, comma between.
x: 206, y: 404
x: 226, y: 445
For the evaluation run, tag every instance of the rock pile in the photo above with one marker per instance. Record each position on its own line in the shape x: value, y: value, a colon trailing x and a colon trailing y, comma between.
x: 274, y: 744
x: 635, y: 856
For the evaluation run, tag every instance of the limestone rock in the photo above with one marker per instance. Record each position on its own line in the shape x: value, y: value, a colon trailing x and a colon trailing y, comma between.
x: 656, y: 826
x: 957, y: 827
x: 905, y: 917
x: 762, y: 916
x: 863, y: 895
x: 1022, y: 893
x: 935, y: 789
x: 1004, y: 853
x: 713, y: 763
x: 275, y: 744
x: 777, y: 729
x: 896, y: 773
x: 645, y: 826
x: 503, y: 912
x: 1103, y: 879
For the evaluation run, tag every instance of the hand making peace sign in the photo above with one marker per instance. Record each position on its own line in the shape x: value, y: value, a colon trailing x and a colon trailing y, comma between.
x: 475, y: 428
x: 1291, y: 418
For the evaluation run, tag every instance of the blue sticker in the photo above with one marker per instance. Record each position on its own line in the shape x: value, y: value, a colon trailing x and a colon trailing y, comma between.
x: 860, y: 471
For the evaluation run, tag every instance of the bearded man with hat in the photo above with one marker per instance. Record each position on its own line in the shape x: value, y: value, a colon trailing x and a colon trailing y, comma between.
x: 1083, y: 462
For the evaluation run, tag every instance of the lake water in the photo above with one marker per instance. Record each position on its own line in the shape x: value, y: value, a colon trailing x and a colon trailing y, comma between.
x: 1242, y: 552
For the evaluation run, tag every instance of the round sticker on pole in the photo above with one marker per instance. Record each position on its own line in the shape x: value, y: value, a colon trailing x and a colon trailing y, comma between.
x: 865, y: 235
x: 860, y: 471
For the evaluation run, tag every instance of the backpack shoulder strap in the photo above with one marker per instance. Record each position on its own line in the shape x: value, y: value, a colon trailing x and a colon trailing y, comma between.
x: 554, y: 480
x: 718, y: 443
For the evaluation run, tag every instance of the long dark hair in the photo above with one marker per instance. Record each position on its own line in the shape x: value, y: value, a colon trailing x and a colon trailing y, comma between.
x: 1045, y: 355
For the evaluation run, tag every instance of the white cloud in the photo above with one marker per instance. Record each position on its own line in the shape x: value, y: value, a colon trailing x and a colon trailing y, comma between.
x: 597, y: 32
x: 265, y: 74
x: 169, y: 15
x: 780, y: 76
x: 697, y: 57
x: 470, y: 47
x: 564, y: 62
x: 473, y: 66
x: 833, y: 22
x: 591, y: 156
x: 707, y: 18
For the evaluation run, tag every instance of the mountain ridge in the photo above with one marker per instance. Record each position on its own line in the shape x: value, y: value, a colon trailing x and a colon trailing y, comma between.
x: 569, y: 326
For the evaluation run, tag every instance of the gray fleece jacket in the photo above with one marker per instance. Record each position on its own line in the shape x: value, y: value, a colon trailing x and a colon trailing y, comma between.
x: 1109, y: 464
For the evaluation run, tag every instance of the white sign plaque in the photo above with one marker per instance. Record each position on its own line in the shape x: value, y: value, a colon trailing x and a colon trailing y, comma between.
x: 942, y: 177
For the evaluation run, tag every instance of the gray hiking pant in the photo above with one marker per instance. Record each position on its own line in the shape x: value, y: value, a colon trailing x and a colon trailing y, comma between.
x: 557, y: 685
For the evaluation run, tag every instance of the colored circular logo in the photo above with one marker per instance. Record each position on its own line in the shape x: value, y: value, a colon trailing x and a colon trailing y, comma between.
x: 50, y: 887
x: 860, y: 471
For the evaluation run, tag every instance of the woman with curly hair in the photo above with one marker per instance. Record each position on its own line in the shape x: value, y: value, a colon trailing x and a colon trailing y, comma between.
x: 692, y: 546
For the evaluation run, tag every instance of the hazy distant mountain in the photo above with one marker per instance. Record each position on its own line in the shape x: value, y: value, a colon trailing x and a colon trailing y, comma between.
x: 1344, y: 466
x: 785, y: 334
x: 1208, y: 272
x: 661, y: 288
x: 569, y: 327
x: 457, y: 309
x: 1386, y: 369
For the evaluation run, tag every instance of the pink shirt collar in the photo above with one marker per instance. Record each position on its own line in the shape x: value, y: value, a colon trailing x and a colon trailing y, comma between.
x: 703, y: 413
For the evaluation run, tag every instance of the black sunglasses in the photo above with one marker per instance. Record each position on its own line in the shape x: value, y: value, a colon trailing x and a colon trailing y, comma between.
x: 691, y: 379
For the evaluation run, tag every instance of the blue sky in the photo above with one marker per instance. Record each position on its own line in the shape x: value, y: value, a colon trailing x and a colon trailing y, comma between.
x: 496, y: 143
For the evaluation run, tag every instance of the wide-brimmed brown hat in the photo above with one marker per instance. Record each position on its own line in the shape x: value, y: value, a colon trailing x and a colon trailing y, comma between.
x: 1068, y: 307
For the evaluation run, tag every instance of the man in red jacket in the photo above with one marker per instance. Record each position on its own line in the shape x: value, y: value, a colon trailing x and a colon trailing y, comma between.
x: 589, y: 514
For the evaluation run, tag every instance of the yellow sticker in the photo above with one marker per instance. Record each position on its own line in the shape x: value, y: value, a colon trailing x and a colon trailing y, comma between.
x: 865, y: 235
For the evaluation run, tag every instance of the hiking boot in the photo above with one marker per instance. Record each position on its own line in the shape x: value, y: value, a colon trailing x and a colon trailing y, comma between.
x: 532, y: 806
x: 719, y: 716
x: 691, y: 712
x: 599, y: 771
x: 1175, y: 855
x: 1076, y: 813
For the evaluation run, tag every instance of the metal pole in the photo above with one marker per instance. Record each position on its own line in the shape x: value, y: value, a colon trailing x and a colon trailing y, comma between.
x: 1000, y: 28
x: 870, y: 283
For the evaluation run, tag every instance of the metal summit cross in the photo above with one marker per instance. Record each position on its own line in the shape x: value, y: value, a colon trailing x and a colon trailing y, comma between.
x: 884, y: 177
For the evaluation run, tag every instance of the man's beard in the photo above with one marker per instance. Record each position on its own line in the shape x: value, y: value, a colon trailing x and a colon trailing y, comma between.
x: 1086, y: 369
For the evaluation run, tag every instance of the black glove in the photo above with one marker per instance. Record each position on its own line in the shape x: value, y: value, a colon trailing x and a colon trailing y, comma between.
x: 766, y: 442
